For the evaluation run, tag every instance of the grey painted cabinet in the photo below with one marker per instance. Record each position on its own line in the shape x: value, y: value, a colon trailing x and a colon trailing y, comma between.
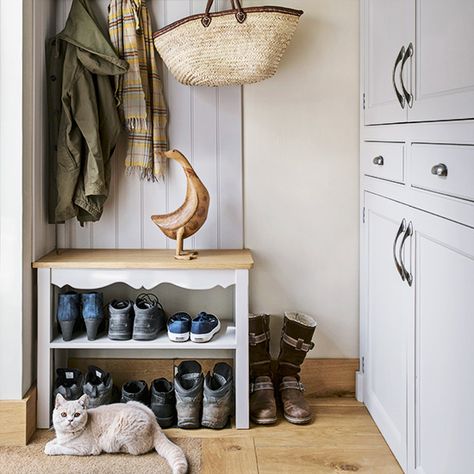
x: 418, y: 62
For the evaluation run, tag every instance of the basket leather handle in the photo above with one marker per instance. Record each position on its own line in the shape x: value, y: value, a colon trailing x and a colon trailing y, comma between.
x: 240, y: 15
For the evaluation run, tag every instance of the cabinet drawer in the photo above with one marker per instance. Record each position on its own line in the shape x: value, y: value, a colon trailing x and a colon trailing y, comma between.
x: 383, y: 160
x: 445, y: 169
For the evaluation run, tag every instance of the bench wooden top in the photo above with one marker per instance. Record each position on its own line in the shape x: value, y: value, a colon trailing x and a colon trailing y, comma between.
x: 145, y: 259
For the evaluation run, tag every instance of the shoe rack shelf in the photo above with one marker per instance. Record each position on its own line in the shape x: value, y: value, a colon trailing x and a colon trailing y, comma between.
x: 142, y: 269
x: 224, y: 339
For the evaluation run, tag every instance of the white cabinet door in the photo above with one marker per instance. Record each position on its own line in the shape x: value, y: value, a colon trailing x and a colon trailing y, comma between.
x: 387, y: 304
x: 443, y: 75
x: 441, y: 415
x: 386, y: 32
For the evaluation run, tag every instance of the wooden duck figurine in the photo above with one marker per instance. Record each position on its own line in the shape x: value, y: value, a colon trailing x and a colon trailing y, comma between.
x: 191, y: 215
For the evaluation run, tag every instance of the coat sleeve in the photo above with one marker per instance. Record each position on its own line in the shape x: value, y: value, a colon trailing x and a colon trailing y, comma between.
x: 85, y: 113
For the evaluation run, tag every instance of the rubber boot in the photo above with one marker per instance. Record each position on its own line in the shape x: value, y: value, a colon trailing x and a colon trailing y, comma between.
x: 263, y: 410
x: 296, y: 341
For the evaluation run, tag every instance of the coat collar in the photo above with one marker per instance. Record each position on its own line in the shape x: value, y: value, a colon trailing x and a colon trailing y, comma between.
x: 83, y: 31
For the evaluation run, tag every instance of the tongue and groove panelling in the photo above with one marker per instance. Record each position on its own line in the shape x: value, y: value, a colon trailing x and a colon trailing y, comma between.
x: 205, y: 124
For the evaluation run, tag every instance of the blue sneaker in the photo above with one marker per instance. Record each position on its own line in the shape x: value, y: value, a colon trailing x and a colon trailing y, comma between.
x: 179, y: 326
x: 204, y: 326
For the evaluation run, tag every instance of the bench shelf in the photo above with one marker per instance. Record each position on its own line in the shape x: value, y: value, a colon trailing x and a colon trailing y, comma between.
x: 94, y: 269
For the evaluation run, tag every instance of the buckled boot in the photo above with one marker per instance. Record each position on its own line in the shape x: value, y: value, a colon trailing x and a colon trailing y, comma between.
x: 296, y: 336
x: 263, y: 409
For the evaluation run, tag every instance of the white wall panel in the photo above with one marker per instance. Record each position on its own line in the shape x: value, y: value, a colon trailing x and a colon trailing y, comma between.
x: 205, y: 124
x: 229, y: 169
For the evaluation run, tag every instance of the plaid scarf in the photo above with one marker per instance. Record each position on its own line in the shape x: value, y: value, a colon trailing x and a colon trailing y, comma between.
x: 139, y: 90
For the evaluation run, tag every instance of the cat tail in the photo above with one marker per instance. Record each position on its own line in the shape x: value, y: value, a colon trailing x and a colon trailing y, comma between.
x: 173, y: 454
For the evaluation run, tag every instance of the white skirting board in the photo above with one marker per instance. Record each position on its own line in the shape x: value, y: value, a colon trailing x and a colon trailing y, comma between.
x: 359, y: 384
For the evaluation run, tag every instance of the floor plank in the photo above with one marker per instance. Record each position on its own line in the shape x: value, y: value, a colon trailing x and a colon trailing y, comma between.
x: 346, y: 426
x: 325, y: 459
x: 229, y: 456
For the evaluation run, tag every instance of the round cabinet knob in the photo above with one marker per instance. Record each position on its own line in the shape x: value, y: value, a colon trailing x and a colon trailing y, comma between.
x: 440, y: 170
x: 378, y: 160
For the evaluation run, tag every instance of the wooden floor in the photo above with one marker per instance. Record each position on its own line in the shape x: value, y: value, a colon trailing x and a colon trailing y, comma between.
x: 342, y: 438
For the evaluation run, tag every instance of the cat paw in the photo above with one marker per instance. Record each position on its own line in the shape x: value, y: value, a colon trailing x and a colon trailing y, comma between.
x: 51, y: 448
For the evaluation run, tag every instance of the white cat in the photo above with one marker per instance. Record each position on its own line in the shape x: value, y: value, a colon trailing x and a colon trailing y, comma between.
x: 119, y: 428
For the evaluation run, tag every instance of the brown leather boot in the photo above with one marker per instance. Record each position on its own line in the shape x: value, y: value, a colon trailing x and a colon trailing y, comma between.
x: 296, y: 336
x: 262, y: 396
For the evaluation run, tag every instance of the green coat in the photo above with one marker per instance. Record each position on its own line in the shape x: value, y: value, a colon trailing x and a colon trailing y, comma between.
x: 83, y: 119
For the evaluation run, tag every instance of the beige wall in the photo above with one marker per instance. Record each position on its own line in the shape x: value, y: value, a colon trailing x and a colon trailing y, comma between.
x: 301, y: 178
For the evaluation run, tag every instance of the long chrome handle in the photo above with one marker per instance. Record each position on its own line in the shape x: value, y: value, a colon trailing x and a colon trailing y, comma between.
x: 440, y: 170
x: 408, y: 54
x: 400, y: 231
x: 400, y: 97
x: 406, y: 273
x: 378, y: 160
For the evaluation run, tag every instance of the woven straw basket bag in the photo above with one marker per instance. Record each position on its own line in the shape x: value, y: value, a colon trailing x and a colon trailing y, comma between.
x: 237, y: 46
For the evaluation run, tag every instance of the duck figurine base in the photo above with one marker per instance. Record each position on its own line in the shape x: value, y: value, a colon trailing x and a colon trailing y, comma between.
x: 180, y: 253
x: 191, y: 215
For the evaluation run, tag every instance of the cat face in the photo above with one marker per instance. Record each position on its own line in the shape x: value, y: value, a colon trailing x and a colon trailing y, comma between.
x: 70, y: 416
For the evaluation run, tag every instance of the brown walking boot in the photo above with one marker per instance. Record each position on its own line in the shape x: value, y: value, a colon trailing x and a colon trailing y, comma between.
x: 296, y: 336
x: 263, y: 409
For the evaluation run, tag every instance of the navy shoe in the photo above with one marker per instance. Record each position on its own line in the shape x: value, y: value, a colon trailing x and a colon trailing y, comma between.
x: 68, y: 312
x: 92, y: 312
x: 150, y: 317
x: 179, y: 327
x: 204, y: 326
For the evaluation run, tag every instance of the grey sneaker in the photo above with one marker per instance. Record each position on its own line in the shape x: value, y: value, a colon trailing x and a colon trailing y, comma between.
x: 218, y: 397
x: 98, y: 386
x: 150, y: 318
x: 68, y: 383
x: 120, y: 320
x: 188, y: 384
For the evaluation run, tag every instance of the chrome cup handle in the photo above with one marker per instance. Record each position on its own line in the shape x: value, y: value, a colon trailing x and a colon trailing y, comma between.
x: 400, y: 97
x: 408, y: 96
x: 400, y: 231
x: 407, y: 274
